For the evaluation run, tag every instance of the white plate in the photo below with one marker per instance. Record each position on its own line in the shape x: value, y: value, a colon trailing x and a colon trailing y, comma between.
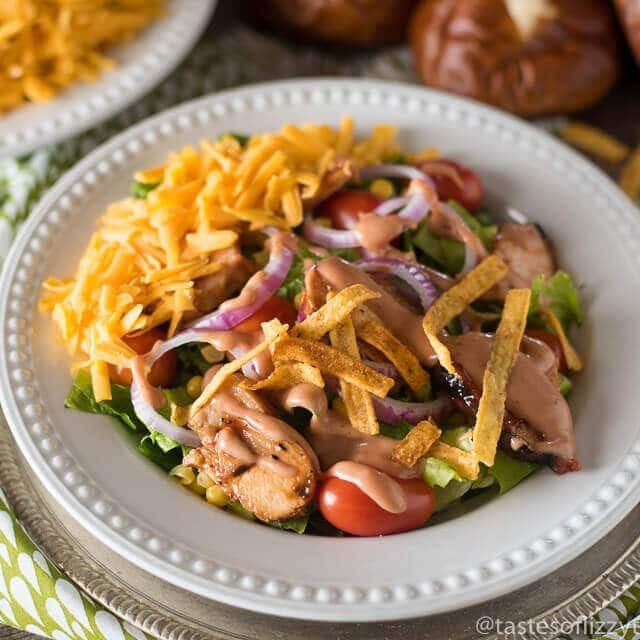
x: 142, y: 64
x: 132, y: 507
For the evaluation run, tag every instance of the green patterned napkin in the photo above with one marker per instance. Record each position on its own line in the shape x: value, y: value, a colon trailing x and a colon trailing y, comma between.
x: 34, y: 595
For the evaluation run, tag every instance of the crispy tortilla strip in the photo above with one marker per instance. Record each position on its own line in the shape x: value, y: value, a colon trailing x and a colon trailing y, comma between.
x: 275, y: 331
x: 357, y: 401
x: 333, y: 312
x: 574, y: 361
x: 373, y: 332
x: 333, y: 362
x: 455, y: 300
x: 287, y: 375
x: 464, y: 463
x: 594, y: 141
x: 506, y: 345
x: 416, y: 443
x: 630, y: 176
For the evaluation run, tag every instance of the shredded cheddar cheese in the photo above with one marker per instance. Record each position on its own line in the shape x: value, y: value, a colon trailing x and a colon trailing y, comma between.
x: 46, y: 45
x: 142, y: 264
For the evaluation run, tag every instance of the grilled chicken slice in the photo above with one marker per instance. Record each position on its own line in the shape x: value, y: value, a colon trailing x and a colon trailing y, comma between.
x: 214, y: 289
x: 526, y: 253
x: 255, y: 457
x: 538, y: 425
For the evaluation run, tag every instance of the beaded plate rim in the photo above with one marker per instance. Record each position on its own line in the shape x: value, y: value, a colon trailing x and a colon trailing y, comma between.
x: 173, y: 38
x: 312, y: 598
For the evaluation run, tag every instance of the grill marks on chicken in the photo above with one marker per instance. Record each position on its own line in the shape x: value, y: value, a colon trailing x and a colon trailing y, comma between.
x: 545, y: 434
x: 255, y: 457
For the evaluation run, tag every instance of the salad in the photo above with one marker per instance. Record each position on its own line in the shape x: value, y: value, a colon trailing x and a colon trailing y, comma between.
x: 322, y: 333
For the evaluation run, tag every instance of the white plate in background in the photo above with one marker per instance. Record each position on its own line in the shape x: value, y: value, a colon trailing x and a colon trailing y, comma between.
x: 142, y: 63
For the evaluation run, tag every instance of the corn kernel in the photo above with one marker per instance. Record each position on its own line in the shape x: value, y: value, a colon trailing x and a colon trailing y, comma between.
x: 179, y: 415
x: 211, y: 354
x: 196, y: 488
x: 382, y: 188
x: 194, y: 387
x: 216, y: 496
x: 184, y: 474
x: 339, y: 407
x: 204, y: 480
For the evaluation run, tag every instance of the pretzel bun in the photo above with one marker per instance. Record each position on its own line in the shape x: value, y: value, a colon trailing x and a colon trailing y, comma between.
x: 357, y: 23
x: 531, y: 57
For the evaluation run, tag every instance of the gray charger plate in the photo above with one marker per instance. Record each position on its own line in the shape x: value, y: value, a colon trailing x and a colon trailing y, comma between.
x: 566, y: 597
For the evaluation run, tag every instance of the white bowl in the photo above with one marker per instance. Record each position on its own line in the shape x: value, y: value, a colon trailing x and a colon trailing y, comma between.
x: 142, y: 64
x: 89, y: 466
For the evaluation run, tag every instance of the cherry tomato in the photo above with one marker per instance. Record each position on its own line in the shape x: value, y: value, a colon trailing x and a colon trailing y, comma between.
x: 465, y: 189
x: 163, y: 370
x: 344, y: 208
x: 346, y: 507
x: 551, y: 340
x: 275, y: 307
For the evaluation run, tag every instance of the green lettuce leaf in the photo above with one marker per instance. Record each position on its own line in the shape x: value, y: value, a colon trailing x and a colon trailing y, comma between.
x: 237, y: 509
x: 152, y: 444
x: 395, y: 431
x: 460, y: 437
x: 565, y: 385
x: 141, y: 190
x: 486, y: 232
x: 165, y: 460
x: 452, y: 492
x: 438, y: 473
x: 561, y: 295
x: 81, y: 398
x: 509, y: 472
x: 298, y: 525
x: 445, y: 253
x: 191, y: 362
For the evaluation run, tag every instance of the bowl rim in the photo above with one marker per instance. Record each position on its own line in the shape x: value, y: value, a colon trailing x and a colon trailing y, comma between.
x: 234, y: 587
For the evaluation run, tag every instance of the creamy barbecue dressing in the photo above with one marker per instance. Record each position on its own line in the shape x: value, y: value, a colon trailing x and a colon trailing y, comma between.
x: 530, y: 394
x: 229, y: 441
x: 226, y: 403
x: 402, y: 322
x: 248, y: 294
x: 339, y: 445
x: 444, y: 221
x: 238, y: 343
x: 382, y: 489
x: 153, y: 396
x: 376, y: 232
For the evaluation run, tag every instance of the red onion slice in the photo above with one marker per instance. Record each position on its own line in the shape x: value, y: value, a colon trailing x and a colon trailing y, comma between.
x: 261, y: 287
x: 470, y: 260
x: 151, y: 418
x: 395, y: 411
x: 416, y: 209
x: 142, y: 392
x: 404, y: 171
x: 391, y: 205
x: 326, y: 237
x: 409, y: 272
x: 385, y: 368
